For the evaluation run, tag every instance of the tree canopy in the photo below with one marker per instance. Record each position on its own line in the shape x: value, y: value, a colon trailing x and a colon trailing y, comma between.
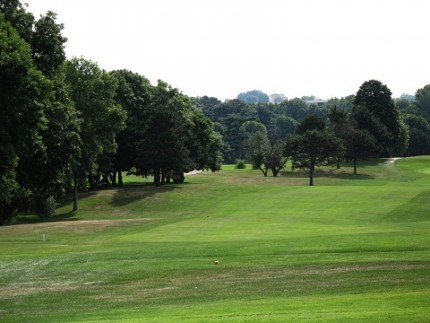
x: 374, y: 110
x: 254, y: 96
x: 313, y: 147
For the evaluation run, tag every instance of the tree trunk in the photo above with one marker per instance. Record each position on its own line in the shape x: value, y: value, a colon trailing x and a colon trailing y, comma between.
x: 2, y: 215
x: 157, y: 177
x: 75, y: 197
x: 355, y: 166
x: 275, y: 171
x: 120, y: 181
x: 264, y: 171
x: 114, y: 178
x: 105, y: 179
x: 311, y: 174
x: 163, y: 177
x: 338, y: 163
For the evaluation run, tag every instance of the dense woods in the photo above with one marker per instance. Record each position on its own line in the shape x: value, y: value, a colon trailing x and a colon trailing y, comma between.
x: 70, y: 126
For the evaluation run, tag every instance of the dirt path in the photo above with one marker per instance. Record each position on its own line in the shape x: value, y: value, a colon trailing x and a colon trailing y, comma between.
x: 194, y: 172
x: 392, y: 160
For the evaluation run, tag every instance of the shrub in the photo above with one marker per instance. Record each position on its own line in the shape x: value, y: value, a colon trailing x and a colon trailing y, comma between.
x: 44, y: 207
x: 240, y: 164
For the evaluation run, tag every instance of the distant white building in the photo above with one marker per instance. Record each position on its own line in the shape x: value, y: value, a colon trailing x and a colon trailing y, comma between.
x: 277, y: 98
x: 317, y: 102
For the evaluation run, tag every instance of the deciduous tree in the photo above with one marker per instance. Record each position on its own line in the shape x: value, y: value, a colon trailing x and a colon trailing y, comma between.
x: 311, y: 148
x: 92, y: 91
x: 22, y: 97
x: 374, y: 110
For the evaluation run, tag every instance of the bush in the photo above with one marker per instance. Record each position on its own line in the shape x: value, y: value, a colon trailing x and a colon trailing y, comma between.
x: 45, y: 207
x: 240, y: 164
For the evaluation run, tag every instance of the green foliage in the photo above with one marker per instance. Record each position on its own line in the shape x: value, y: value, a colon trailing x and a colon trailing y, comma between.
x: 176, y: 137
x: 345, y: 104
x: 22, y: 97
x: 134, y: 94
x: 296, y: 109
x: 40, y: 121
x: 21, y: 20
x: 204, y: 143
x: 240, y: 164
x: 375, y: 111
x: 313, y: 148
x: 422, y: 102
x: 282, y: 126
x: 275, y: 159
x: 248, y: 128
x: 311, y: 122
x: 232, y: 115
x: 44, y: 207
x: 419, y: 135
x: 257, y: 146
x: 92, y: 92
x: 47, y: 44
x: 208, y: 104
x: 254, y: 96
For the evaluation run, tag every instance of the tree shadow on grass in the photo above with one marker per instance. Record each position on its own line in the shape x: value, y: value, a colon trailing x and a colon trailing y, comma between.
x: 135, y: 192
x: 328, y: 173
x: 68, y: 199
x: 416, y: 209
x: 61, y: 203
x: 341, y: 174
x: 33, y: 219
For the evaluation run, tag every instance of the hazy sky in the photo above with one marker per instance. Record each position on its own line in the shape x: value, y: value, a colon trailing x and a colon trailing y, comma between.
x: 326, y: 48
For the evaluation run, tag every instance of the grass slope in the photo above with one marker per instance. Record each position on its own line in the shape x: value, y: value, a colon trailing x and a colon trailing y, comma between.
x: 352, y: 248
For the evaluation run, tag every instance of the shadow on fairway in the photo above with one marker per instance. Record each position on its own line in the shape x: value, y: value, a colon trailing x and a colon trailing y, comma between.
x: 32, y: 219
x: 332, y: 174
x: 416, y: 209
x: 346, y: 176
x: 132, y: 193
x: 65, y: 216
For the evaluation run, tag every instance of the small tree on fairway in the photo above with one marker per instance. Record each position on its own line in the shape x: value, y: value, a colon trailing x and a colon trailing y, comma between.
x: 359, y: 145
x: 257, y: 147
x: 275, y: 159
x: 313, y: 148
x: 340, y: 125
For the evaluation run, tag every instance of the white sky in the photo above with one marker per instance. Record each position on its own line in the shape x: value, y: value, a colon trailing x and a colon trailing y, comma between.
x: 220, y: 48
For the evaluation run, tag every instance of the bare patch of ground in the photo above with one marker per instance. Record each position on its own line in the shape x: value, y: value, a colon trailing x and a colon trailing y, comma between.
x: 78, y: 226
x: 22, y: 290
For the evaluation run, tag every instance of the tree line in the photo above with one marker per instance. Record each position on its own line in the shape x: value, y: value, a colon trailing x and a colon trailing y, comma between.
x: 366, y: 125
x: 67, y: 125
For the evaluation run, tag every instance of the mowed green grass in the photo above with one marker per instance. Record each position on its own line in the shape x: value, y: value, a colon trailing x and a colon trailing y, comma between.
x: 350, y: 249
